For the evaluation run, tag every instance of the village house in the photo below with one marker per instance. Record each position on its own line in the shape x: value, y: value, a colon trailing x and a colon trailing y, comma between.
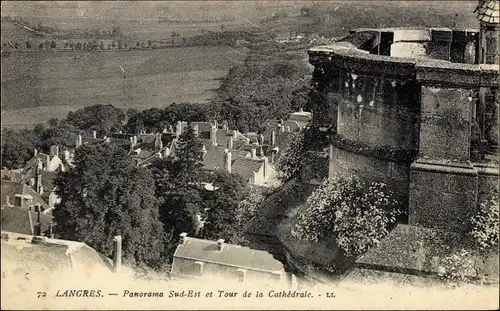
x: 30, y: 258
x: 24, y: 220
x: 198, y: 258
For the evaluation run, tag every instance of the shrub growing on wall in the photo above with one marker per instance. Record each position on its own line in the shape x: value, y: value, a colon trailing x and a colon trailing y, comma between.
x: 358, y: 214
x: 290, y: 159
x: 485, y: 225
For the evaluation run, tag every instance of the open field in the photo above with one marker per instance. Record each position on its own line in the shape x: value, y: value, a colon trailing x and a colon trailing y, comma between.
x: 39, y: 85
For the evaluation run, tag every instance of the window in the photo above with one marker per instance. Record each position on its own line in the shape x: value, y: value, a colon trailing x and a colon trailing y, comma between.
x: 241, y: 273
x: 198, y: 268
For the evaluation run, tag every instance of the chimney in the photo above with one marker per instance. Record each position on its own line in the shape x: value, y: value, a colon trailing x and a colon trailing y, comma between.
x: 78, y: 141
x: 166, y: 152
x: 247, y: 141
x: 224, y: 125
x: 51, y: 230
x: 216, y: 124
x: 178, y: 129
x: 301, y: 110
x: 117, y: 253
x: 47, y: 161
x: 66, y: 155
x: 36, y: 153
x: 235, y: 133
x: 230, y: 143
x: 135, y: 140
x: 196, y: 130
x: 261, y: 139
x: 54, y: 150
x: 287, y: 128
x: 220, y: 244
x: 131, y: 141
x: 213, y: 135
x: 266, y: 167
x: 182, y: 238
x: 254, y: 153
x: 227, y: 160
x: 38, y: 226
x: 94, y: 134
x: 273, y: 137
x: 61, y: 167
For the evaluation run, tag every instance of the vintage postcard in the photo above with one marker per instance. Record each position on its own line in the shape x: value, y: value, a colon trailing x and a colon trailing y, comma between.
x: 228, y: 155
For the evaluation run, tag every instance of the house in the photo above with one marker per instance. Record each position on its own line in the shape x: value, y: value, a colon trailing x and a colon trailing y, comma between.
x: 23, y: 220
x: 205, y: 259
x: 21, y: 195
x: 27, y: 259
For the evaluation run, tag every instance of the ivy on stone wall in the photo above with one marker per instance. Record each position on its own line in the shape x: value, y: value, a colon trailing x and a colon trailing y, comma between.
x: 402, y: 156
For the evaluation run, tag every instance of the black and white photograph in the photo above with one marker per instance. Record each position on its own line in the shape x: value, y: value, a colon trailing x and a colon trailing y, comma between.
x: 250, y: 155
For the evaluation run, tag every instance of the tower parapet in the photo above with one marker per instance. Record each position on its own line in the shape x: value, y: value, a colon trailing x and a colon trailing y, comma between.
x: 416, y: 109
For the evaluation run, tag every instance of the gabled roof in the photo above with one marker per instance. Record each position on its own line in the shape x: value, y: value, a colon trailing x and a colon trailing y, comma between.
x: 10, y: 189
x: 233, y: 255
x: 214, y: 157
x: 21, y: 220
x: 246, y: 167
x: 48, y: 179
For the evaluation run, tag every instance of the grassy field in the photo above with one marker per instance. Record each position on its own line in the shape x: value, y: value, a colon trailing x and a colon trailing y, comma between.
x: 39, y: 85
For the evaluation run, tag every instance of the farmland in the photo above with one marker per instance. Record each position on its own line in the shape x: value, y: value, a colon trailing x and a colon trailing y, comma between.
x: 39, y: 85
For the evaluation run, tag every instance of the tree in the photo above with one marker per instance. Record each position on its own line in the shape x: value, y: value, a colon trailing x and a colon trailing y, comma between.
x: 104, y: 195
x: 28, y: 44
x: 178, y: 185
x: 53, y: 44
x: 290, y: 159
x: 101, y: 45
x: 17, y: 147
x: 102, y: 118
x: 223, y: 217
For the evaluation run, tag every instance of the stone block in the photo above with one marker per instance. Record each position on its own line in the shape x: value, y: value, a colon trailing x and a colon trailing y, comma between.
x: 442, y: 196
x: 411, y: 35
x: 441, y: 34
x: 445, y: 124
x: 435, y: 72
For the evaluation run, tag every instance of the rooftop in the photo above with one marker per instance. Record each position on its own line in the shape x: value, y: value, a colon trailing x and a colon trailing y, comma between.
x: 49, y: 257
x: 231, y: 255
x: 488, y: 11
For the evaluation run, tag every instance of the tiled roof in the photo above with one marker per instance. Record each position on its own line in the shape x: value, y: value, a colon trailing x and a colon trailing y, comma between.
x: 48, y: 179
x: 246, y: 167
x: 10, y: 189
x: 234, y: 255
x: 146, y: 138
x: 214, y: 157
x: 488, y: 12
x: 11, y: 175
x: 22, y: 220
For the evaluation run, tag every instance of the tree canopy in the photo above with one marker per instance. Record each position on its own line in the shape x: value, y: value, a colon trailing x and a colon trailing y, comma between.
x: 105, y: 195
